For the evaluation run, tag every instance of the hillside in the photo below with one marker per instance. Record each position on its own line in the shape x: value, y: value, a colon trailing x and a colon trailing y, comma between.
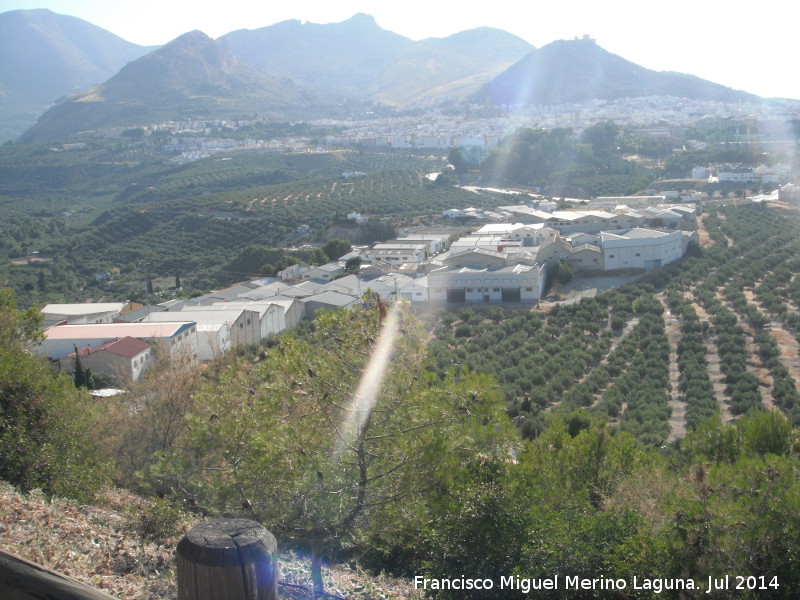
x: 44, y: 55
x: 99, y: 546
x: 191, y: 77
x: 437, y: 69
x: 571, y: 71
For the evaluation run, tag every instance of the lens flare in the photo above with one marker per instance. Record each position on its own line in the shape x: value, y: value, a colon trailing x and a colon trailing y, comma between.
x: 363, y: 401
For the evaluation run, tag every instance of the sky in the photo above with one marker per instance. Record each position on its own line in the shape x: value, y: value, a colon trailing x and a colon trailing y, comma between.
x: 746, y: 47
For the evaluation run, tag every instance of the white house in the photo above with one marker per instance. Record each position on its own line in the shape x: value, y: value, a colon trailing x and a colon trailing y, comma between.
x: 126, y: 358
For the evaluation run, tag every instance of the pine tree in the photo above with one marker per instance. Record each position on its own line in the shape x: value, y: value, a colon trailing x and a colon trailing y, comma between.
x: 79, y: 374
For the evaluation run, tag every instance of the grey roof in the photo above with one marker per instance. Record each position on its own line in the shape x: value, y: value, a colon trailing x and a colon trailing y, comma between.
x: 637, y: 233
x: 140, y: 313
x: 265, y: 291
x: 331, y: 298
x: 226, y: 294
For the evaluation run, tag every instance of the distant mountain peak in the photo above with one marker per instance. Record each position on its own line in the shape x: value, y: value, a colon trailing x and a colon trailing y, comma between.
x: 578, y: 70
x: 45, y: 55
x: 362, y: 19
x: 193, y: 76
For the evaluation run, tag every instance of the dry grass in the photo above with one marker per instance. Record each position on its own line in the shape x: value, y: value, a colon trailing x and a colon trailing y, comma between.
x: 91, y: 544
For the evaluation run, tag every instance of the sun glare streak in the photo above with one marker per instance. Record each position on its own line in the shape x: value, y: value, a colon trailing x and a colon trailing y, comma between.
x: 363, y: 400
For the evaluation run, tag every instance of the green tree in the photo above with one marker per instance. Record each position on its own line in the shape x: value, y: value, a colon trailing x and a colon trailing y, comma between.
x: 289, y: 440
x: 456, y: 158
x: 336, y: 248
x: 602, y: 137
x: 563, y: 273
x: 79, y: 374
x: 353, y: 264
x: 46, y: 425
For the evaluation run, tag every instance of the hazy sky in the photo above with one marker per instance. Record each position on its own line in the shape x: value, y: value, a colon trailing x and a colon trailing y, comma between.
x: 751, y: 47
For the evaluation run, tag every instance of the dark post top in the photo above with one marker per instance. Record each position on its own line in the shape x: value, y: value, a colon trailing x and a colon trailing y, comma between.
x: 227, y: 542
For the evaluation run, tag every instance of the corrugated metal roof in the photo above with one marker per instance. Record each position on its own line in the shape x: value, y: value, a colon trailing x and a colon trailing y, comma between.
x: 116, y: 330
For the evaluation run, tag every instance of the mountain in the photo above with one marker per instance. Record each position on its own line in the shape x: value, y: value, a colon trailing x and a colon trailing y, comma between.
x: 44, y: 55
x: 346, y: 57
x: 567, y: 71
x: 191, y: 77
x: 357, y: 58
x: 451, y: 67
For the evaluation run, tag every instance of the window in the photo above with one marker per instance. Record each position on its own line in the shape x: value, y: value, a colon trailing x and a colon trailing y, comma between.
x: 610, y: 256
x: 638, y: 254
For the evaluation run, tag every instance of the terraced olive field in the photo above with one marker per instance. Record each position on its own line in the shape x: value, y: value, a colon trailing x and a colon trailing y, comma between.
x: 716, y: 332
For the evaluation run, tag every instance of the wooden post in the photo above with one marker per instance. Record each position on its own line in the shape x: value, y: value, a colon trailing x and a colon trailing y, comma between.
x: 228, y: 559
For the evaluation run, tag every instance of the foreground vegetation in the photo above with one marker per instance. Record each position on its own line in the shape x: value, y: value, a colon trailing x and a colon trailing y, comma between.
x: 554, y: 466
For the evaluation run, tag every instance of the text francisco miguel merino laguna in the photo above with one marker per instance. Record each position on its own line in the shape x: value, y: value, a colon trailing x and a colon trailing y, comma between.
x: 558, y: 582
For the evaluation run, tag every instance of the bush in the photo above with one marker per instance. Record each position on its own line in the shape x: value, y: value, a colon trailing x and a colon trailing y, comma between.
x: 157, y: 521
x: 46, y: 425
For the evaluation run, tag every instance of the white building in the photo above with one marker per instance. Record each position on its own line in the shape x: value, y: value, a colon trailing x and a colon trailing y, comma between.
x: 126, y: 358
x: 395, y: 253
x: 437, y: 242
x: 512, y: 283
x: 271, y: 315
x: 176, y: 336
x: 640, y: 249
x: 416, y: 290
x: 526, y: 234
x: 244, y: 324
x: 88, y: 312
x: 324, y: 272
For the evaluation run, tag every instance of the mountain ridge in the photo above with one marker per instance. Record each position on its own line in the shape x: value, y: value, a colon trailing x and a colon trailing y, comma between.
x: 568, y: 71
x: 193, y: 76
x: 291, y: 70
x: 44, y: 56
x: 358, y: 58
